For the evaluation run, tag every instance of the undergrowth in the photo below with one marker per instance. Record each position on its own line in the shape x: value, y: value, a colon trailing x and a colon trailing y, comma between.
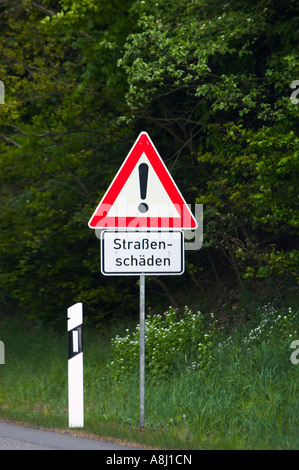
x: 206, y: 387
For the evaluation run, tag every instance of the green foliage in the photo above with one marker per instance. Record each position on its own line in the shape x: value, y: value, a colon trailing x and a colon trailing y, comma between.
x: 168, y: 338
x: 246, y: 399
x: 217, y: 77
x: 271, y: 326
x: 57, y: 155
x: 274, y: 326
x: 210, y: 81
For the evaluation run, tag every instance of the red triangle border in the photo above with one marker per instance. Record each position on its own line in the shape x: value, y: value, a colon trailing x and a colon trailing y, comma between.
x: 100, y: 217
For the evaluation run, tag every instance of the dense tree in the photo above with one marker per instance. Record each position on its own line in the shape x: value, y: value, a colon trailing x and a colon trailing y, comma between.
x: 216, y: 76
x: 209, y: 80
x: 63, y: 95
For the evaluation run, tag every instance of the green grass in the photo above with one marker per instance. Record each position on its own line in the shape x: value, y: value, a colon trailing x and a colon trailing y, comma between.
x: 246, y: 399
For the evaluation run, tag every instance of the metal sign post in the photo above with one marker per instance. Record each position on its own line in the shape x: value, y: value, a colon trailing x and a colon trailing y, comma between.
x: 142, y: 350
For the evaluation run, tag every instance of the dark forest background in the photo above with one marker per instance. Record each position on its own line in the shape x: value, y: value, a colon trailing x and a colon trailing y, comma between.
x: 211, y: 82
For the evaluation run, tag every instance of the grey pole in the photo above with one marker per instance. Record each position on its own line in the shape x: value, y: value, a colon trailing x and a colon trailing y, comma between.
x: 142, y: 349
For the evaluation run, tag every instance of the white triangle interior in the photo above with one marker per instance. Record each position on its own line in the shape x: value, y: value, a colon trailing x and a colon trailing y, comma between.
x: 158, y: 202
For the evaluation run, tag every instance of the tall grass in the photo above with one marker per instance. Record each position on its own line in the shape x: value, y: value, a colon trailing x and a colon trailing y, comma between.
x: 247, y: 398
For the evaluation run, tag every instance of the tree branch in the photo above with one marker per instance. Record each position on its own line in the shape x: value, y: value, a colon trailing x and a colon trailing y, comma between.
x: 10, y: 140
x: 43, y: 9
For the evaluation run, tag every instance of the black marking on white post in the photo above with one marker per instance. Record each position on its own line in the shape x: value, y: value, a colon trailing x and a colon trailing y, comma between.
x: 75, y: 366
x: 75, y: 341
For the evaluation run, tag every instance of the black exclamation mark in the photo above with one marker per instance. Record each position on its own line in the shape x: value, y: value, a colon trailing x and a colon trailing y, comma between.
x: 143, y: 174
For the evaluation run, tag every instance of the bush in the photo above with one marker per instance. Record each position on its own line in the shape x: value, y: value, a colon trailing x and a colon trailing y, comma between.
x: 168, y: 338
x: 273, y: 326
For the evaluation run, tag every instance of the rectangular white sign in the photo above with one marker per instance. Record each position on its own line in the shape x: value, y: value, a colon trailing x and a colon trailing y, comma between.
x: 142, y: 252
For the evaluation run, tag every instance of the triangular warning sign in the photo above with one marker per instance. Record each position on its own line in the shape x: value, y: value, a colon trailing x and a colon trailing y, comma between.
x: 143, y: 194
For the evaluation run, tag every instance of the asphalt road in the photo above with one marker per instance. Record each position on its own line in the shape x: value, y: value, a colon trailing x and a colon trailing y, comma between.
x: 16, y: 437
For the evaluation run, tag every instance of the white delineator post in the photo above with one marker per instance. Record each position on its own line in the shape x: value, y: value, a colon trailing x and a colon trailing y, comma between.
x: 75, y: 366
